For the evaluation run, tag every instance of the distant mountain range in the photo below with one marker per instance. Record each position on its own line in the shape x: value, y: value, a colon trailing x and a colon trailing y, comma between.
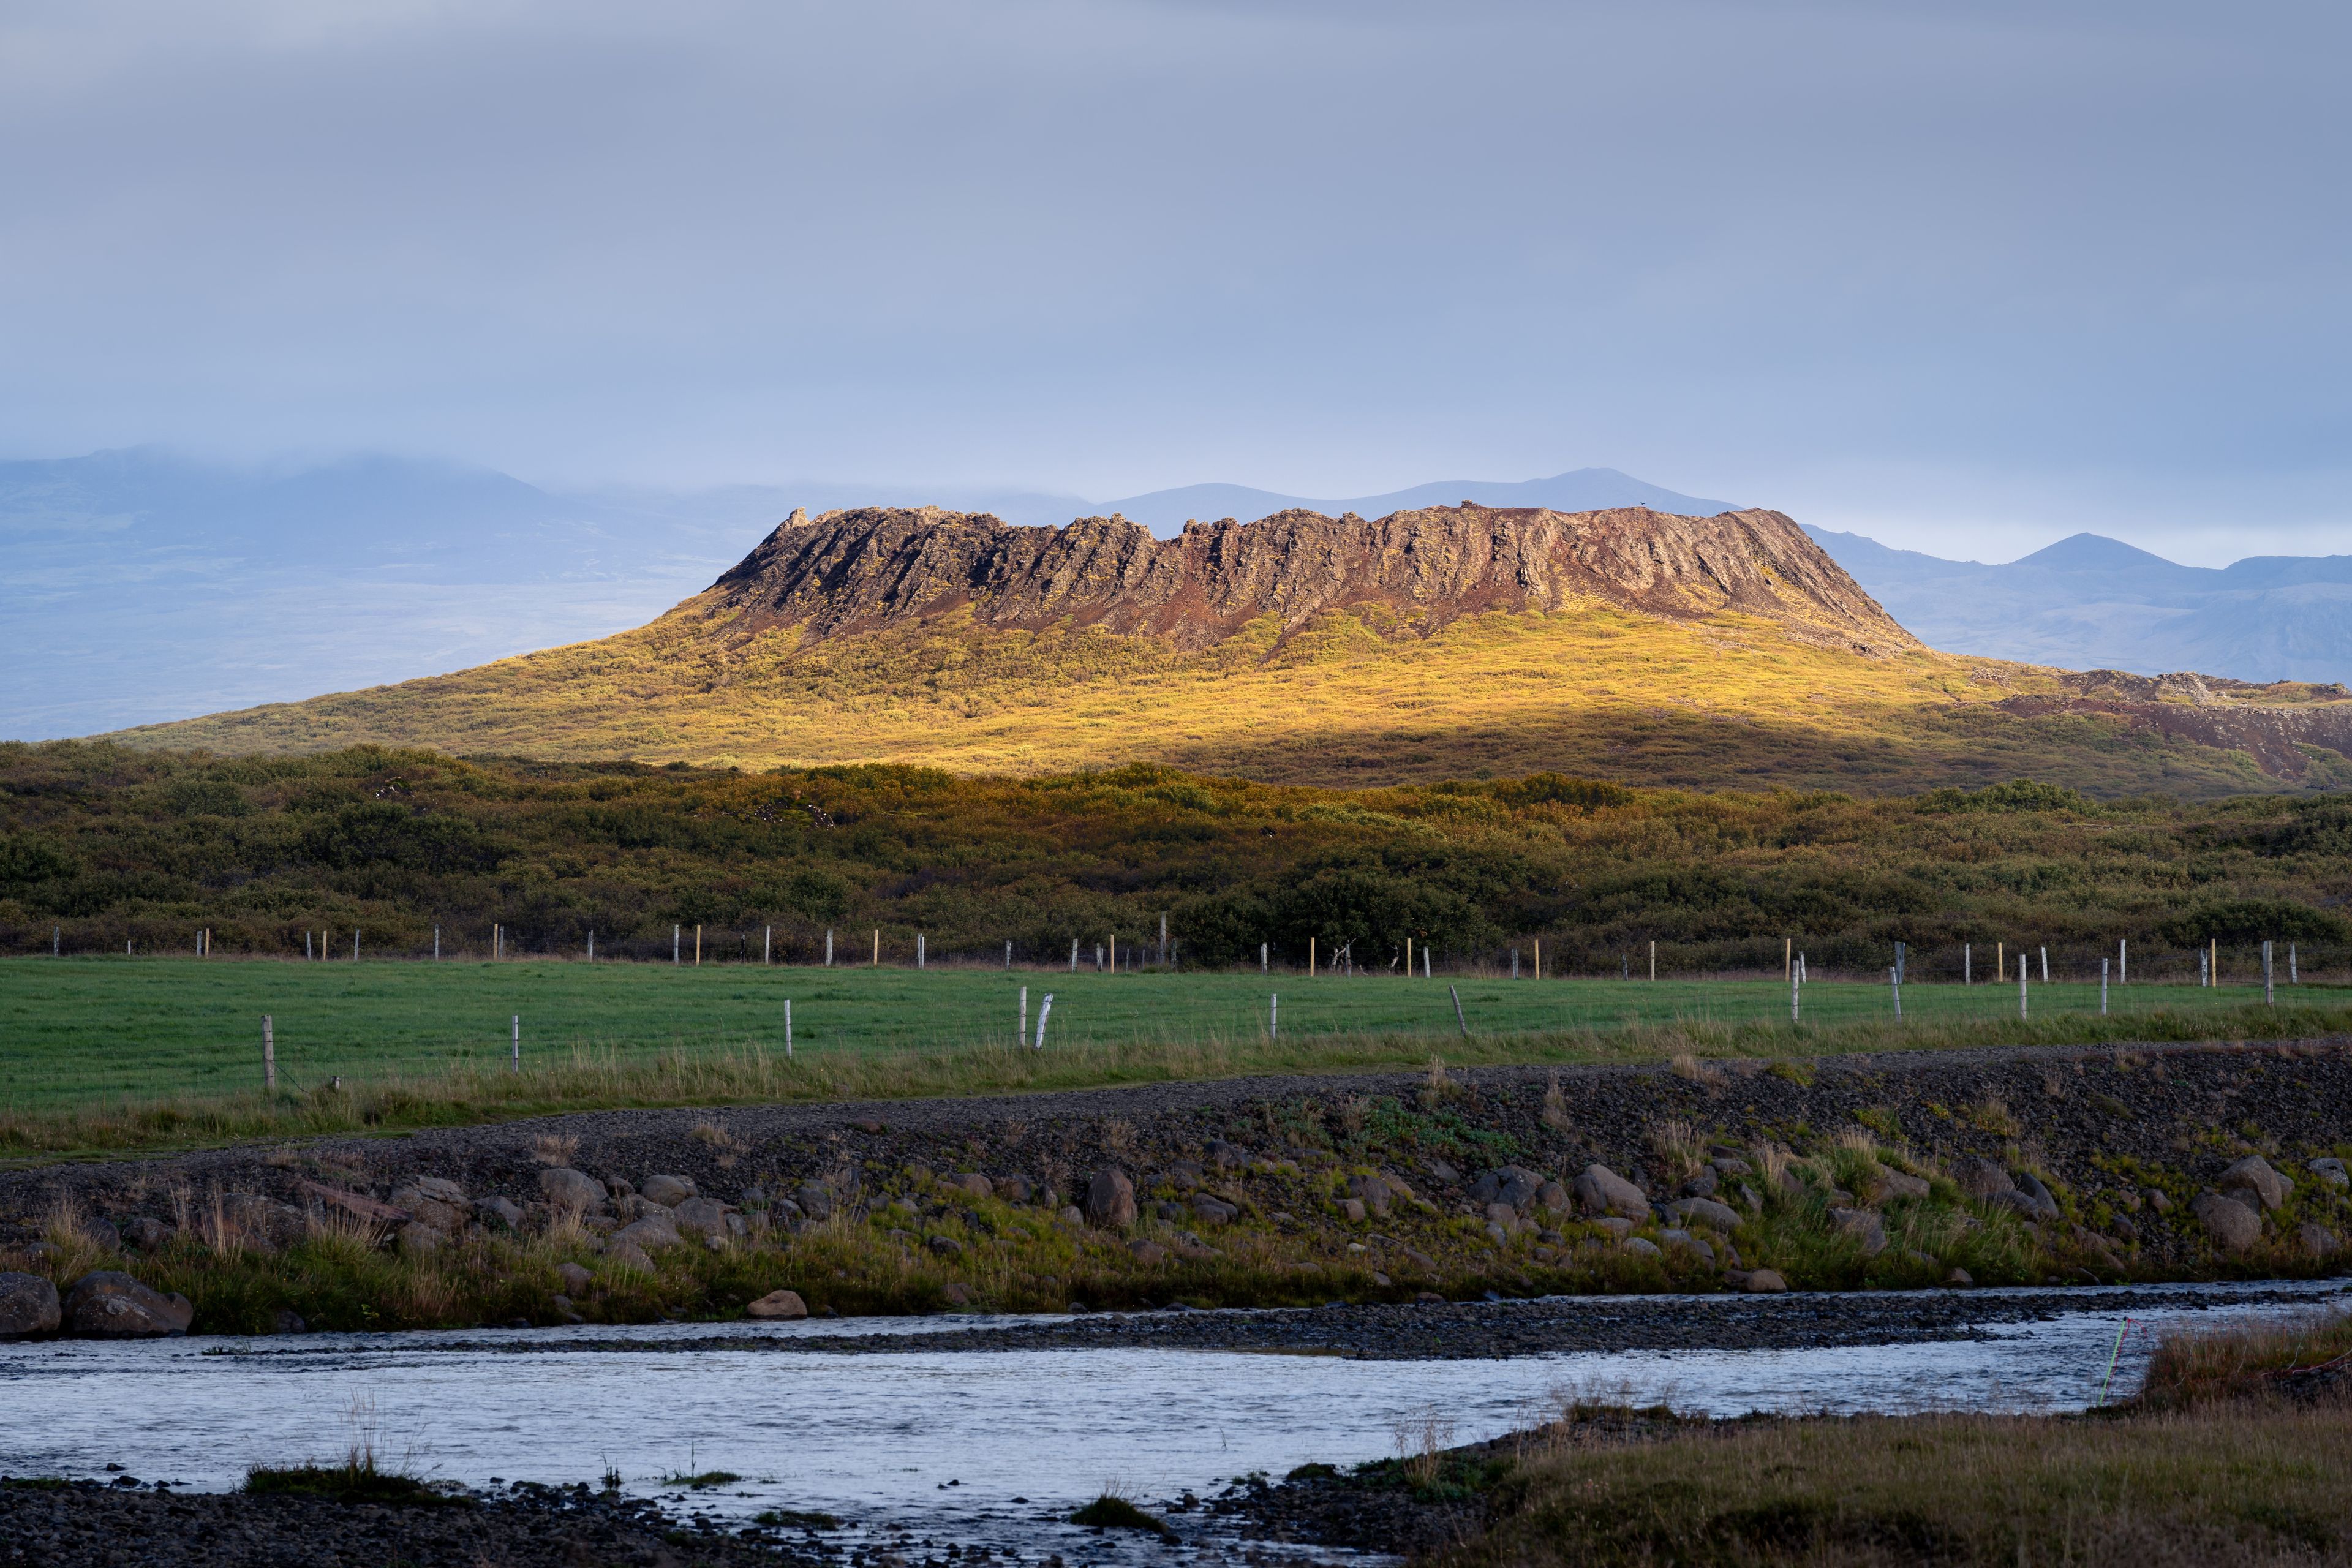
x: 2092, y: 603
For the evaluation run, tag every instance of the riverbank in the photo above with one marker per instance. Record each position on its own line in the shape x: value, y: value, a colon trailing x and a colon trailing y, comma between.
x: 1911, y: 1170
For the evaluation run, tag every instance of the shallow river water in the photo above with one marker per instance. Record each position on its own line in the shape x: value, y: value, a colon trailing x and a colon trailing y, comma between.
x: 977, y: 1445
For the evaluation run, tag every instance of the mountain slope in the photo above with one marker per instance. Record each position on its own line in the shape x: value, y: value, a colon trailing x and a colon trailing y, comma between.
x: 2087, y: 602
x: 1429, y: 644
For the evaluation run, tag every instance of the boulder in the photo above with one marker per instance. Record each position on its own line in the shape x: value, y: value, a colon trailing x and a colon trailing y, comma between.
x: 1731, y: 1165
x: 702, y: 1217
x: 777, y: 1304
x: 945, y: 1245
x: 1110, y: 1199
x: 1400, y: 1190
x: 441, y: 1190
x: 501, y: 1212
x: 1864, y: 1225
x: 666, y: 1189
x: 2233, y: 1224
x: 28, y: 1305
x: 1151, y: 1254
x: 269, y: 1224
x: 1715, y: 1216
x: 1014, y: 1189
x: 1764, y: 1282
x: 1210, y: 1210
x: 650, y: 1233
x: 2016, y: 1202
x: 2254, y: 1173
x: 1352, y: 1210
x: 1616, y: 1225
x: 1959, y: 1279
x: 286, y: 1321
x: 574, y: 1280
x: 1980, y: 1178
x: 108, y: 1305
x: 623, y: 1253
x: 418, y: 1239
x: 957, y: 1292
x: 1895, y: 1184
x: 971, y: 1184
x: 1070, y: 1214
x: 1685, y: 1243
x: 1702, y: 1185
x: 147, y: 1235
x: 2331, y: 1171
x: 2045, y: 1204
x: 1553, y: 1198
x: 2318, y: 1240
x: 815, y: 1200
x: 1227, y: 1156
x: 1512, y: 1184
x: 1186, y: 1174
x: 1603, y: 1191
x: 1373, y: 1191
x: 427, y: 1209
x: 101, y: 1232
x: 1640, y: 1246
x: 2158, y: 1199
x: 565, y: 1188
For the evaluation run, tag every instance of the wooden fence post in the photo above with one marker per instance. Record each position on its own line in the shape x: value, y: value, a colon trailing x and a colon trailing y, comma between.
x: 518, y: 1043
x: 269, y: 1055
x: 788, y: 1028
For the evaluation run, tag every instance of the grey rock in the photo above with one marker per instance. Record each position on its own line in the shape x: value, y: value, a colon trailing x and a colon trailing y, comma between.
x: 666, y: 1189
x: 1186, y: 1174
x: 2021, y: 1203
x: 1959, y: 1279
x: 565, y: 1188
x: 1373, y: 1191
x: 1553, y: 1198
x: 269, y: 1224
x: 1151, y: 1254
x: 1640, y: 1246
x: 2330, y: 1171
x: 502, y: 1211
x: 1707, y: 1212
x: 1352, y: 1210
x: 1399, y: 1188
x: 1070, y: 1214
x: 1494, y: 1231
x: 108, y: 1305
x: 971, y: 1184
x: 1110, y: 1199
x: 427, y: 1209
x: 2235, y: 1225
x: 28, y: 1305
x: 1512, y: 1184
x: 286, y: 1321
x: 147, y: 1235
x: 627, y: 1255
x: 1980, y: 1178
x: 778, y: 1305
x: 1865, y: 1226
x: 1209, y: 1210
x: 1616, y: 1225
x: 1702, y: 1185
x: 1682, y: 1241
x: 2254, y: 1173
x: 1603, y: 1191
x: 1731, y: 1165
x: 815, y: 1200
x: 575, y: 1279
x: 1764, y: 1282
x: 2318, y: 1240
x: 1014, y: 1189
x: 1503, y: 1215
x: 2158, y: 1199
x: 418, y: 1239
x: 2045, y: 1204
x: 702, y: 1217
x: 1896, y: 1185
x: 648, y: 1235
x: 1447, y: 1175
x: 945, y: 1245
x: 1227, y: 1156
x: 441, y: 1190
x: 103, y: 1232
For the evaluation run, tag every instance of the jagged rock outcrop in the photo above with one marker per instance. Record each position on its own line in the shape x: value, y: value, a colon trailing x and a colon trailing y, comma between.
x: 850, y: 572
x: 2270, y: 724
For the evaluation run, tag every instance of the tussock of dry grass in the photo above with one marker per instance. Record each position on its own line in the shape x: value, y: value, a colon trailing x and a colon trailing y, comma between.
x: 2293, y: 1357
x: 2226, y: 1485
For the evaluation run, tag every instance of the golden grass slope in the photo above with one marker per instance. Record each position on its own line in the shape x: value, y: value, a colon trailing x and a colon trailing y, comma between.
x: 1587, y: 687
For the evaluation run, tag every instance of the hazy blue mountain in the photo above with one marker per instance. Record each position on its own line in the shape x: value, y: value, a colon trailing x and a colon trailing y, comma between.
x: 1581, y: 489
x: 2093, y: 603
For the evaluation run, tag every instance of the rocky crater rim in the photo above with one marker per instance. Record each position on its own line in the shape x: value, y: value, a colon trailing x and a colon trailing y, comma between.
x: 869, y: 569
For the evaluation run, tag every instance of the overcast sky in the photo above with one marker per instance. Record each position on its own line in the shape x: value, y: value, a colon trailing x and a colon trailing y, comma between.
x: 1967, y: 277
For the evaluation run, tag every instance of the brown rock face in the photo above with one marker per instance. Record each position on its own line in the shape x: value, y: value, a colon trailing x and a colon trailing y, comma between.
x: 851, y: 572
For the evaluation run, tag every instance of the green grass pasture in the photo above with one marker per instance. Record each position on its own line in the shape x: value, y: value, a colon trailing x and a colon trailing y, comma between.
x: 78, y: 1033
